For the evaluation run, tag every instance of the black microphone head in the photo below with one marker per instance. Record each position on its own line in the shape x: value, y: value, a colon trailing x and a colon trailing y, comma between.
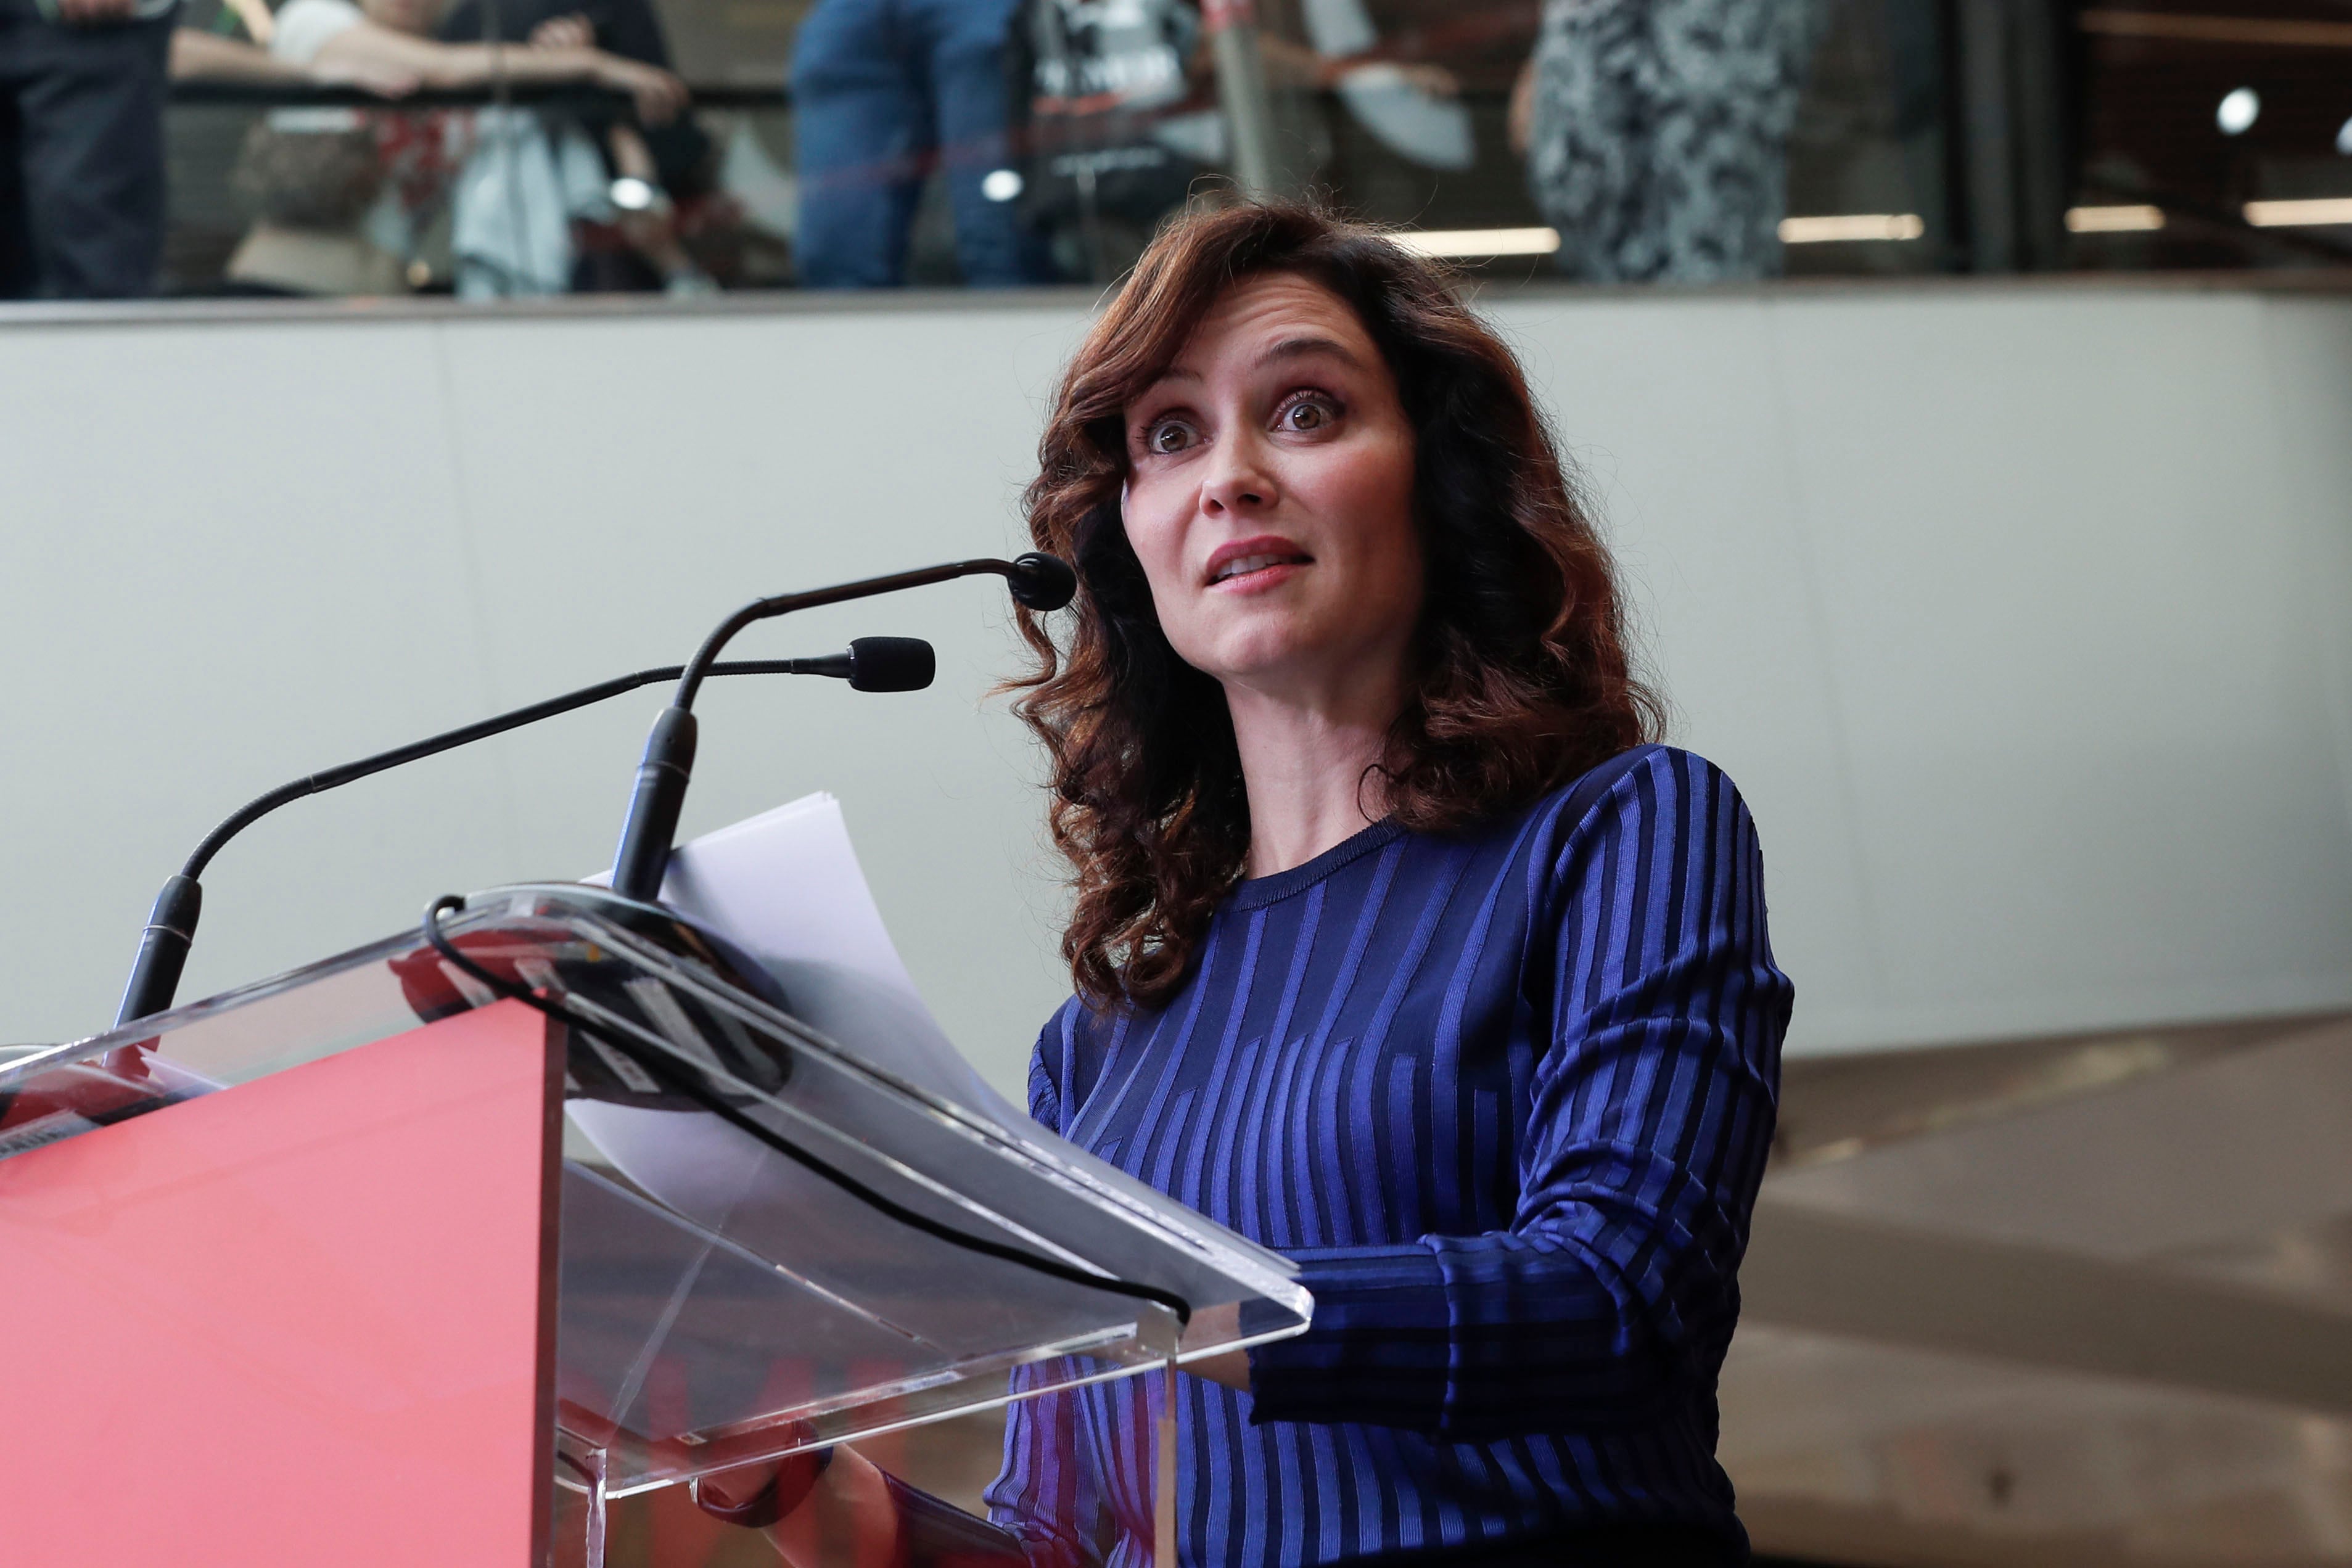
x: 891, y: 664
x: 1042, y: 581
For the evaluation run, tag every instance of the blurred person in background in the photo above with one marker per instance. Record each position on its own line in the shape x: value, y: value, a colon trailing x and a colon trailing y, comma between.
x: 306, y: 176
x: 397, y: 35
x: 670, y: 167
x: 1656, y: 133
x: 881, y: 90
x: 629, y: 28
x: 1113, y: 120
x: 1116, y: 114
x: 310, y: 185
x: 81, y: 147
x: 511, y: 185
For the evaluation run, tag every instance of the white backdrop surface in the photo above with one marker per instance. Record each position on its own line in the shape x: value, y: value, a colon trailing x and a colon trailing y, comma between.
x: 2023, y: 617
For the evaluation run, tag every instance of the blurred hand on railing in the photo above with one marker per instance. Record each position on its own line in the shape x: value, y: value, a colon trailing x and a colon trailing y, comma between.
x: 568, y: 32
x: 1434, y: 81
x: 659, y: 94
x: 382, y: 78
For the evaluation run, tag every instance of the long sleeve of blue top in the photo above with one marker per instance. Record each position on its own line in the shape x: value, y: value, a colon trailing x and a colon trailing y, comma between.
x: 1506, y: 1097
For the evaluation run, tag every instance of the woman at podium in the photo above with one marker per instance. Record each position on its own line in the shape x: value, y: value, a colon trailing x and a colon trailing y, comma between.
x: 1399, y: 943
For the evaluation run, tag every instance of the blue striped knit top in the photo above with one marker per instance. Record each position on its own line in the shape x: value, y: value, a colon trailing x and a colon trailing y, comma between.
x: 1506, y: 1097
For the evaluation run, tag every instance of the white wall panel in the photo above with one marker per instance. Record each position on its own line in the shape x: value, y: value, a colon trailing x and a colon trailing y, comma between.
x: 1676, y: 421
x: 2060, y: 559
x: 229, y: 557
x: 694, y: 465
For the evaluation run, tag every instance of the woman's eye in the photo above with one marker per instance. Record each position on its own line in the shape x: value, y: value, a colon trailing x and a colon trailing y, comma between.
x: 1169, y: 436
x: 1307, y: 413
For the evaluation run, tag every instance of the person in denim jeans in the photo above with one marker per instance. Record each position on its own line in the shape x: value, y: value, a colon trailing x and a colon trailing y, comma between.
x: 879, y: 86
x: 81, y: 147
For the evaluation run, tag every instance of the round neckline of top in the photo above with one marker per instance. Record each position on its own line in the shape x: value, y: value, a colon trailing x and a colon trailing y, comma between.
x: 1257, y: 892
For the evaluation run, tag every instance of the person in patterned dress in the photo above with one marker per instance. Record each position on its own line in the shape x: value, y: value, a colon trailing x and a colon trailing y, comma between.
x: 1656, y: 133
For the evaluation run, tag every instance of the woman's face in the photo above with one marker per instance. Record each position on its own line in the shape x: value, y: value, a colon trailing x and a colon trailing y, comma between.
x: 1270, y: 499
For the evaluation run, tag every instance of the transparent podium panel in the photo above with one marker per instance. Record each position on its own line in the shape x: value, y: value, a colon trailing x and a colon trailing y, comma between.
x: 767, y: 1241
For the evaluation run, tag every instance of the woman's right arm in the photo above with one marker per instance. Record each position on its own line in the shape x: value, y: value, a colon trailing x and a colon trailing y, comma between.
x: 1610, y: 1296
x: 658, y: 94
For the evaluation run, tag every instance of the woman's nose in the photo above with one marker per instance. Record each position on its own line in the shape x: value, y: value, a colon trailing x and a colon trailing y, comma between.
x: 1238, y: 479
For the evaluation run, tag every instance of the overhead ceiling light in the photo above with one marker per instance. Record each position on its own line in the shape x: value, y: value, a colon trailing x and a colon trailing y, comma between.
x: 2240, y: 108
x: 2113, y: 220
x: 1479, y: 242
x: 1851, y: 226
x: 1000, y: 184
x: 2299, y: 215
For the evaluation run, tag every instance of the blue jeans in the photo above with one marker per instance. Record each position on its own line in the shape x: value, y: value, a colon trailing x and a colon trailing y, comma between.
x: 878, y: 86
x: 82, y: 156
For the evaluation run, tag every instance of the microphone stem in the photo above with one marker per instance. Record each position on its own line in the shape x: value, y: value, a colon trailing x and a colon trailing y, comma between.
x: 326, y: 778
x: 171, y: 927
x: 690, y: 677
x: 642, y: 858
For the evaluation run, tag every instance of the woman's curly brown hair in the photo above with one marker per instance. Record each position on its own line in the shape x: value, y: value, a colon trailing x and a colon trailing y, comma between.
x: 1521, y: 679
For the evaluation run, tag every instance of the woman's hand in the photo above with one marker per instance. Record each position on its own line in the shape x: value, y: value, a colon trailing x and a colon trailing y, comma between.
x: 1213, y: 1326
x: 817, y: 1499
x: 731, y: 1495
x: 660, y: 95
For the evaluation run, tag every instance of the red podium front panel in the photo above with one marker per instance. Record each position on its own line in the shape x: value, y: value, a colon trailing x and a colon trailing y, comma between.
x: 309, y: 1319
x: 279, y: 1270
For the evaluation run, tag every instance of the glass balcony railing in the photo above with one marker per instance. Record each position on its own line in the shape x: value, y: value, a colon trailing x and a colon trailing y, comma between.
x: 384, y: 148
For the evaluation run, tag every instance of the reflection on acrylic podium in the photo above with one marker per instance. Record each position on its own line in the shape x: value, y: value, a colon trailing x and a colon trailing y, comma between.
x: 366, y: 1264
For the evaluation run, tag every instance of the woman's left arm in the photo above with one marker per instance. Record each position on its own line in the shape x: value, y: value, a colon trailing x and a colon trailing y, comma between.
x: 1613, y: 1295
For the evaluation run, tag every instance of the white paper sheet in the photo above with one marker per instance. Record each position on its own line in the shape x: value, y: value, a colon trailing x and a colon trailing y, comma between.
x: 785, y: 887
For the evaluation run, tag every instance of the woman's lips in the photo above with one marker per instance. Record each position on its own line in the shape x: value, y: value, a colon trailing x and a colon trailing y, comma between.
x: 1255, y: 562
x: 1279, y: 569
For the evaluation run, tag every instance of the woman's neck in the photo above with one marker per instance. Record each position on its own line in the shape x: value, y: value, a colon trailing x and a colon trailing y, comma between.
x: 1306, y: 767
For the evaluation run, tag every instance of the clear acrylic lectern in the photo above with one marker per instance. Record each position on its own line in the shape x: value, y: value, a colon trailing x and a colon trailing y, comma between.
x: 366, y: 1264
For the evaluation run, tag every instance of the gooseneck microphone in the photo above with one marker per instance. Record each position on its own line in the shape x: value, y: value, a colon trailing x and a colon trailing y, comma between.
x: 871, y: 664
x: 1037, y: 582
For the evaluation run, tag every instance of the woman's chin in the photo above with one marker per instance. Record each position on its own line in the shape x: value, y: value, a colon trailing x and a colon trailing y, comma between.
x: 1306, y: 676
x: 1252, y: 660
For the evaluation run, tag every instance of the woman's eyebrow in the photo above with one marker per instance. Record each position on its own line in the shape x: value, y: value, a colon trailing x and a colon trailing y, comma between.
x: 1303, y: 347
x: 1308, y: 346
